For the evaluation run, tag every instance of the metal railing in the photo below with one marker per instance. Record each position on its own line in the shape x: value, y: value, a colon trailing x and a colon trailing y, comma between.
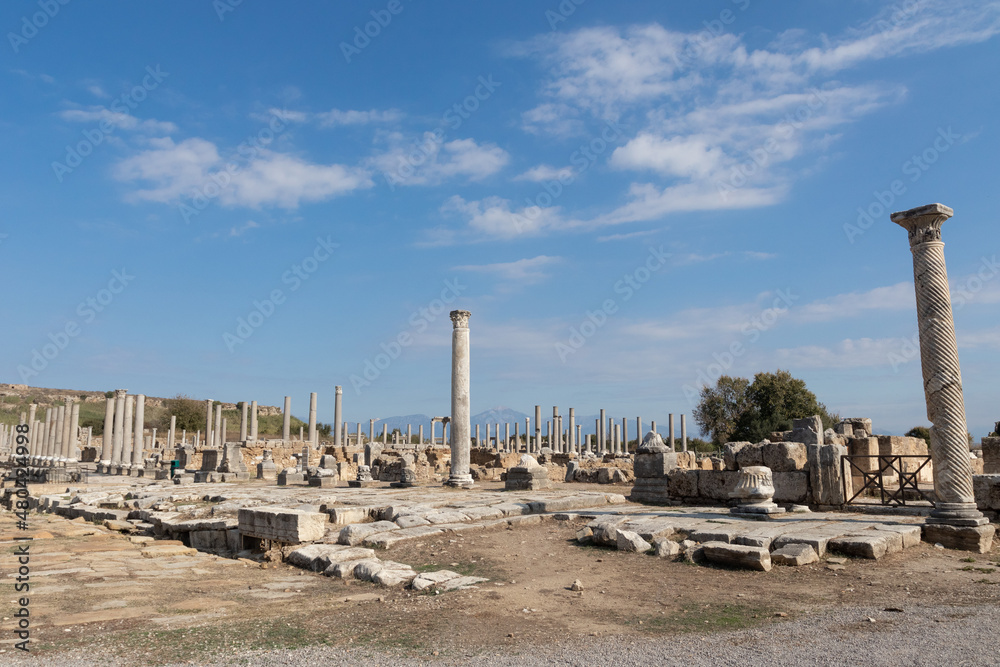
x: 889, y: 466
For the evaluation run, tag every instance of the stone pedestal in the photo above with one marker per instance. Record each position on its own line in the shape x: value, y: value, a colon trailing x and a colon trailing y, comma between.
x: 290, y: 476
x: 654, y: 460
x: 527, y: 475
x: 364, y: 478
x: 266, y: 469
x: 755, y: 491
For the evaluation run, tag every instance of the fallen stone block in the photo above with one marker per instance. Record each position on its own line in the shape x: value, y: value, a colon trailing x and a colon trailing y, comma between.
x: 794, y: 554
x: 626, y: 540
x: 357, y: 533
x: 666, y: 548
x: 872, y: 546
x: 280, y: 524
x: 910, y: 534
x: 367, y: 569
x: 736, y: 555
x: 387, y: 539
x: 431, y: 579
x: 392, y: 576
x: 977, y: 539
x: 605, y: 529
x: 344, y: 569
x: 461, y: 583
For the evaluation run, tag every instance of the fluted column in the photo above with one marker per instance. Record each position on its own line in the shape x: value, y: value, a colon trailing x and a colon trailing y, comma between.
x: 286, y: 422
x: 219, y: 438
x: 139, y: 438
x: 956, y: 503
x: 253, y: 420
x: 118, y: 432
x: 73, y: 444
x: 243, y: 421
x: 109, y: 429
x: 461, y: 416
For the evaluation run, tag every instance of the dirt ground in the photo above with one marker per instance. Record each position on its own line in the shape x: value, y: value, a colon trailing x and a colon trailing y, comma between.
x: 98, y: 595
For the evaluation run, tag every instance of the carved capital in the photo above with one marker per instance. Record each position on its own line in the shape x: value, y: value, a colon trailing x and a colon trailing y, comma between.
x: 460, y: 318
x: 923, y: 224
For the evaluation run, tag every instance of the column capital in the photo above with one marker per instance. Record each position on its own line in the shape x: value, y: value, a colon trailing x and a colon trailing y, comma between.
x: 923, y: 224
x: 121, y: 393
x: 460, y: 318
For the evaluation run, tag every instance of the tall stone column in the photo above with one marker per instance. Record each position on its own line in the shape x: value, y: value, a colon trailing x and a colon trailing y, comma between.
x: 371, y: 430
x: 684, y: 433
x: 243, y: 421
x: 128, y: 428
x: 625, y: 436
x: 538, y: 429
x: 338, y: 416
x: 527, y: 434
x: 67, y: 434
x: 32, y: 436
x: 60, y: 429
x: 506, y: 436
x: 47, y: 437
x: 601, y: 435
x: 118, y: 435
x: 670, y: 428
x: 73, y: 444
x: 208, y: 423
x: 956, y: 503
x: 638, y: 433
x: 253, y: 420
x: 579, y: 438
x: 573, y: 444
x: 313, y: 441
x: 219, y: 437
x: 420, y: 434
x: 139, y: 439
x: 286, y: 423
x: 460, y: 402
x: 109, y: 427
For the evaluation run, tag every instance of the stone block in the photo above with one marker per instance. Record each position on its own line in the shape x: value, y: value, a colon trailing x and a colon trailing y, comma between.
x: 359, y: 532
x: 976, y: 539
x: 737, y: 555
x: 527, y: 479
x: 654, y: 464
x: 285, y: 478
x: 794, y: 554
x: 683, y: 483
x: 666, y: 548
x: 791, y: 487
x: 808, y: 430
x: 784, y: 456
x: 872, y: 546
x: 281, y: 524
x: 627, y: 540
x: 611, y: 476
x: 571, y: 469
x: 729, y: 452
x: 343, y: 516
x: 750, y: 455
x: 987, y: 492
x: 717, y: 486
x: 991, y: 455
x: 815, y: 539
x: 909, y: 534
x: 605, y: 529
x: 826, y: 479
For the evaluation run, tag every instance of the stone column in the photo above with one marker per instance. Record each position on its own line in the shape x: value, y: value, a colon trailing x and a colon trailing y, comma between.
x: 118, y: 435
x: 548, y: 432
x: 409, y: 434
x: 684, y: 433
x: 516, y: 446
x: 527, y: 434
x: 313, y: 435
x: 638, y: 433
x: 60, y: 429
x: 573, y: 444
x: 243, y: 421
x: 601, y: 435
x: 670, y: 428
x: 506, y: 436
x: 140, y: 429
x: 538, y: 428
x: 420, y: 434
x: 385, y: 433
x: 286, y: 422
x: 617, y: 437
x: 956, y: 504
x: 625, y: 436
x: 371, y: 430
x: 579, y: 438
x: 73, y: 446
x: 128, y: 427
x: 219, y: 437
x: 67, y: 430
x: 359, y: 434
x: 223, y: 425
x: 208, y: 423
x: 253, y: 420
x: 172, y: 434
x: 47, y: 437
x: 460, y: 400
x: 479, y: 443
x: 32, y: 436
x: 337, y: 417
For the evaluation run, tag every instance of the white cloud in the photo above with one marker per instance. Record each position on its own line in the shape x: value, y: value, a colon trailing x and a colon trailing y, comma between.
x: 240, y: 230
x: 125, y: 121
x: 180, y: 170
x: 431, y: 162
x: 493, y: 218
x: 880, y: 299
x: 526, y: 271
x: 691, y: 156
x: 848, y: 353
x: 340, y: 117
x: 544, y: 172
x: 560, y: 120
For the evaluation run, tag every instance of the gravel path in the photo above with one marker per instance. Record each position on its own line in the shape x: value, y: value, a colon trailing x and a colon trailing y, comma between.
x: 942, y: 635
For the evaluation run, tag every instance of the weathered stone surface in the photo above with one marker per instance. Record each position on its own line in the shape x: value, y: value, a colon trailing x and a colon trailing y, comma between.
x: 872, y: 546
x: 346, y: 515
x: 729, y: 452
x: 750, y: 455
x: 791, y: 487
x: 391, y: 576
x: 784, y: 456
x: 432, y: 579
x: 909, y: 534
x: 977, y: 539
x: 666, y: 548
x: 605, y: 529
x: 654, y: 464
x: 357, y: 533
x: 724, y: 534
x: 611, y: 476
x: 826, y: 481
x: 410, y: 520
x: 387, y: 539
x: 817, y: 540
x: 683, y: 484
x: 345, y: 569
x: 651, y: 528
x: 808, y: 430
x: 736, y: 555
x: 571, y: 468
x: 713, y: 485
x: 460, y: 583
x: 367, y: 569
x: 987, y: 491
x: 627, y: 540
x: 991, y: 456
x: 281, y: 524
x: 794, y: 554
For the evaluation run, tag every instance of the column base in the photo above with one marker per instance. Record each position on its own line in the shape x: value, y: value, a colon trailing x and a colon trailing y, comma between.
x: 460, y: 481
x: 977, y: 539
x: 957, y: 514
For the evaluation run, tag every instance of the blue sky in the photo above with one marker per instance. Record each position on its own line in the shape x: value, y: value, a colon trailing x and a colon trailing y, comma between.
x: 243, y: 201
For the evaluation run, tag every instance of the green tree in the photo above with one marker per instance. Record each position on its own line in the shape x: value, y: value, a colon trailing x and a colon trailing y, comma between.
x: 721, y: 407
x: 774, y: 400
x: 920, y: 432
x: 190, y: 413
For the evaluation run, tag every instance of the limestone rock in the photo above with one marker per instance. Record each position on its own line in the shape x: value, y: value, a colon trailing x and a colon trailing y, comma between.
x: 577, y: 586
x: 750, y: 455
x: 737, y: 555
x: 784, y: 456
x: 359, y: 532
x: 825, y: 474
x: 794, y: 554
x: 683, y: 483
x: 431, y: 579
x: 652, y: 443
x: 282, y: 525
x: 791, y: 487
x: 977, y: 539
x: 666, y: 548
x: 626, y: 540
x: 729, y: 452
x: 527, y: 461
